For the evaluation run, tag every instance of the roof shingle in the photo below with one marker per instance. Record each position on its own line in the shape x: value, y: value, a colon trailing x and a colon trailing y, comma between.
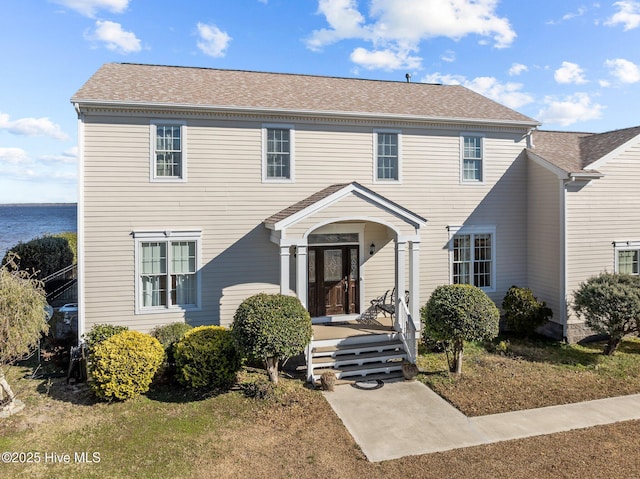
x: 135, y: 84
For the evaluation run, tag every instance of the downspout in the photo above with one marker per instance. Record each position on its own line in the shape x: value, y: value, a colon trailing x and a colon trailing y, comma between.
x: 563, y: 257
x: 80, y: 226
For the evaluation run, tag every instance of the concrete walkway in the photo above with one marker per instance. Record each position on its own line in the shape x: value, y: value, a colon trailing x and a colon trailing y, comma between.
x: 407, y: 418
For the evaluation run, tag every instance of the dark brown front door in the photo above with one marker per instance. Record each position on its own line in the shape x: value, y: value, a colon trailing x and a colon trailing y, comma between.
x: 333, y: 280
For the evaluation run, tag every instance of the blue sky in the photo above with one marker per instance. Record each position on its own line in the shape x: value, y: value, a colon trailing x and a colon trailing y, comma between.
x: 572, y: 65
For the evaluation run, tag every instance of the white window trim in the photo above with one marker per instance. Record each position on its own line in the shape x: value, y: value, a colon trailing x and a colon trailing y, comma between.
x: 167, y: 236
x: 624, y: 246
x: 473, y: 230
x: 292, y: 143
x: 152, y: 152
x: 482, y: 137
x: 375, y: 157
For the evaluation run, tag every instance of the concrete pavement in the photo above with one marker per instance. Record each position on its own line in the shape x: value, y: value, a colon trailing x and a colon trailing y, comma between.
x: 404, y: 418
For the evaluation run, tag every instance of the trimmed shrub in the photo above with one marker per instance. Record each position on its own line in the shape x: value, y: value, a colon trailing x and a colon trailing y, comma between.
x: 523, y: 312
x: 457, y: 313
x: 610, y: 304
x: 124, y: 365
x: 100, y: 332
x: 43, y: 256
x: 207, y: 357
x: 271, y: 327
x: 169, y: 335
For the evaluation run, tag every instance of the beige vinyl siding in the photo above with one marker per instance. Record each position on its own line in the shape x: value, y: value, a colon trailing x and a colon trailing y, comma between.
x: 544, y: 237
x: 224, y: 197
x: 599, y: 213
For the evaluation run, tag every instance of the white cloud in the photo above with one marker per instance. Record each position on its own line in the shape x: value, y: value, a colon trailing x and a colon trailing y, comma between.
x: 570, y: 110
x: 89, y: 8
x: 384, y: 59
x: 509, y: 94
x: 13, y: 156
x: 398, y: 26
x: 517, y: 68
x: 32, y: 127
x: 115, y: 38
x: 570, y: 73
x: 67, y: 156
x: 568, y: 16
x: 628, y: 15
x: 624, y: 70
x: 449, y: 56
x: 213, y: 41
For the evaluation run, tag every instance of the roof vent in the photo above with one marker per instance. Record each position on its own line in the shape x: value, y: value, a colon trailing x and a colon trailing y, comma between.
x: 408, y: 77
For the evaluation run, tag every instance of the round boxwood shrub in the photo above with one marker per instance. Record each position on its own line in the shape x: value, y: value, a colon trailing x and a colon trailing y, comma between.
x: 207, y: 357
x: 523, y: 312
x: 456, y: 313
x: 100, y: 332
x: 169, y: 335
x: 271, y: 327
x: 124, y: 365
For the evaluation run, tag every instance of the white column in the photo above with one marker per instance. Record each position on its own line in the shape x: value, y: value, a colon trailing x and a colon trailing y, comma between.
x: 400, y: 271
x: 302, y: 273
x: 284, y: 269
x: 414, y: 281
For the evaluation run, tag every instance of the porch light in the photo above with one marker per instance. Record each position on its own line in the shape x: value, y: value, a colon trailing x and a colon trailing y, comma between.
x: 372, y: 249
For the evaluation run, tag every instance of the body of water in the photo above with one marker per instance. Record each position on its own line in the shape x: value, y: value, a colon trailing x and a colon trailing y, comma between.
x: 25, y: 222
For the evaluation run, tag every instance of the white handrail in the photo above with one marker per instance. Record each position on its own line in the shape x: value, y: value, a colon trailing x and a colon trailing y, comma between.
x: 407, y: 330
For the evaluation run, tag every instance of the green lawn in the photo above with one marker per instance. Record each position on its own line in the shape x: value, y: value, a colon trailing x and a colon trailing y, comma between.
x: 169, y: 433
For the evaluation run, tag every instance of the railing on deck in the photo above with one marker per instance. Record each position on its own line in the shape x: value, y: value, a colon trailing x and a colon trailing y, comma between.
x: 407, y: 329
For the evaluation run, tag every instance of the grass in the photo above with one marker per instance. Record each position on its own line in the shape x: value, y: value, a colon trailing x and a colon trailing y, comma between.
x: 532, y: 374
x: 295, y: 434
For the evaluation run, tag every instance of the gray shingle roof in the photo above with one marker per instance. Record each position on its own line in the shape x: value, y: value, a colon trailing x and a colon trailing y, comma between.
x: 573, y: 151
x: 123, y: 83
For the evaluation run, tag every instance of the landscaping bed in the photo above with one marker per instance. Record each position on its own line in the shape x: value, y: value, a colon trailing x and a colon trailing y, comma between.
x: 170, y: 432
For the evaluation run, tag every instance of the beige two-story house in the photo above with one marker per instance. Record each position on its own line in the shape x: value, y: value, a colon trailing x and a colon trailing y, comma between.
x: 200, y: 187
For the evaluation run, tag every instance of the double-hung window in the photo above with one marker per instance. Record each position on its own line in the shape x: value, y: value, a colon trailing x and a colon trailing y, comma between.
x: 387, y: 155
x: 278, y: 153
x: 627, y: 256
x: 473, y: 257
x: 472, y: 159
x: 168, y: 151
x: 167, y: 271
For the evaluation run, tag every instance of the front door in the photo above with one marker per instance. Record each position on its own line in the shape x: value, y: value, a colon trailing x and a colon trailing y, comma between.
x: 333, y: 280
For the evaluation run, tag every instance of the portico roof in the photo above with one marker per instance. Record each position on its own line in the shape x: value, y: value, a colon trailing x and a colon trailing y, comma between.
x: 333, y: 194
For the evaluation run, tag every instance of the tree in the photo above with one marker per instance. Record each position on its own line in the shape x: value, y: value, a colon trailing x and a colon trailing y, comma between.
x: 610, y: 304
x: 43, y: 256
x: 272, y: 327
x: 457, y: 313
x: 23, y: 319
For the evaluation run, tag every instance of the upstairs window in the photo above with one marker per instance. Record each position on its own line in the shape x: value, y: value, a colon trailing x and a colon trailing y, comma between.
x: 168, y: 156
x: 387, y: 156
x: 472, y: 159
x: 278, y: 163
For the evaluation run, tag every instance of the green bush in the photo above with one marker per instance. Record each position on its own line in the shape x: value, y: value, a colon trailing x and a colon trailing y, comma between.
x: 100, y: 332
x: 43, y: 256
x: 124, y: 365
x: 457, y: 313
x: 271, y: 327
x: 523, y: 312
x: 207, y: 357
x: 610, y: 304
x: 169, y: 335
